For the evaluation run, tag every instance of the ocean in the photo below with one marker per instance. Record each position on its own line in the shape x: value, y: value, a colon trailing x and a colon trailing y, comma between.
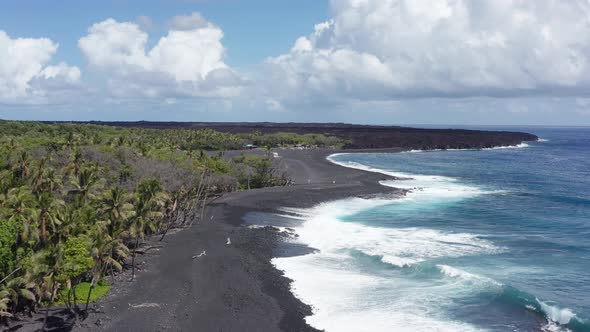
x: 486, y: 240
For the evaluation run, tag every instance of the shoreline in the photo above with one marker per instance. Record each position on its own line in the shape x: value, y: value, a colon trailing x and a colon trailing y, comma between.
x: 198, y: 280
x: 545, y: 315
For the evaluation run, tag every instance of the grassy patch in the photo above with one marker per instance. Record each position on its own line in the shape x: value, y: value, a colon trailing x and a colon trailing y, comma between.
x: 101, y: 289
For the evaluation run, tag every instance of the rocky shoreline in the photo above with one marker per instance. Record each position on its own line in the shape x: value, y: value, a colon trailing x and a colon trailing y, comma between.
x: 360, y: 136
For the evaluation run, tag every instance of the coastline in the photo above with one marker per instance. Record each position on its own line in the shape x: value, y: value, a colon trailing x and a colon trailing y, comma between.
x: 199, y: 281
x: 195, y: 279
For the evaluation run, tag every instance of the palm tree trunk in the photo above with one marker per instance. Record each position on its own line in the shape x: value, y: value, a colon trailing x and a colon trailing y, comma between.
x: 74, y: 293
x: 89, y: 292
x: 171, y: 219
x: 166, y: 231
x: 43, y: 227
x: 204, y: 202
x: 98, y: 274
x: 75, y: 300
x: 69, y: 300
x: 171, y: 222
x: 111, y: 267
x: 47, y: 309
x: 133, y: 258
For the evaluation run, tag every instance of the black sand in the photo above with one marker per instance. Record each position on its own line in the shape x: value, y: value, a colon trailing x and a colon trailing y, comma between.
x: 230, y: 287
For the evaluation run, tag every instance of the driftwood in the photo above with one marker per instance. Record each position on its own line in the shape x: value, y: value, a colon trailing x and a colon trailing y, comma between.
x: 144, y: 251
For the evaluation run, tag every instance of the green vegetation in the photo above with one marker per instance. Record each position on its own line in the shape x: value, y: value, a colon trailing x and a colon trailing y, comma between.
x: 82, y: 291
x: 77, y: 201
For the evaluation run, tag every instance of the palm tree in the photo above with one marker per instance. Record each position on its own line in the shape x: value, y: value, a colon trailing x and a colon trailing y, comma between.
x: 44, y: 272
x: 6, y: 183
x: 150, y: 194
x: 20, y: 200
x: 140, y: 224
x: 172, y: 208
x: 71, y: 139
x: 117, y: 210
x: 52, y: 181
x: 48, y: 212
x: 116, y: 206
x: 4, y: 304
x: 103, y: 251
x: 22, y: 165
x: 17, y: 289
x: 86, y: 184
x: 149, y: 204
x: 75, y: 220
x: 75, y: 163
x: 12, y: 144
x: 45, y: 178
x: 39, y: 174
x: 21, y: 204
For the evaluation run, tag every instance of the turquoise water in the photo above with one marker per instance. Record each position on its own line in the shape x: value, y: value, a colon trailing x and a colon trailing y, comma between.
x: 489, y: 240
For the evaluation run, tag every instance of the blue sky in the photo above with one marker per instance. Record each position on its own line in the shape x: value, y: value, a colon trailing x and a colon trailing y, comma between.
x: 371, y: 61
x: 254, y: 29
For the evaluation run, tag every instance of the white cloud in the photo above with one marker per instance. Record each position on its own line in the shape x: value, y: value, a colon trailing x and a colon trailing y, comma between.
x: 62, y: 70
x: 384, y: 49
x: 25, y: 74
x: 116, y: 45
x: 187, y: 61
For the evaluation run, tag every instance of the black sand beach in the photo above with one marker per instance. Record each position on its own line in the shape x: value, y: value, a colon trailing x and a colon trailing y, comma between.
x: 217, y: 275
x: 198, y: 282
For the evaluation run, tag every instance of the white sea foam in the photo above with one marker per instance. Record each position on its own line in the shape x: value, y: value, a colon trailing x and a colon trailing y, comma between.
x: 555, y: 314
x: 394, y: 245
x: 400, y: 261
x: 464, y: 275
x: 556, y: 317
x: 424, y: 187
x: 518, y: 146
x: 346, y: 299
x: 291, y: 216
x: 344, y: 294
x: 554, y: 327
x: 355, y: 165
x: 456, y: 273
x: 338, y: 289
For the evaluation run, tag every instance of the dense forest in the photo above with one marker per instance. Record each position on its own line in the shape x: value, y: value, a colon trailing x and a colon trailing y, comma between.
x: 78, y: 200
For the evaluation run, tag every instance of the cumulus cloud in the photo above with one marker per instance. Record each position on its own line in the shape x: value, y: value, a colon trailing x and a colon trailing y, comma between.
x: 187, y: 61
x: 383, y: 49
x: 26, y: 77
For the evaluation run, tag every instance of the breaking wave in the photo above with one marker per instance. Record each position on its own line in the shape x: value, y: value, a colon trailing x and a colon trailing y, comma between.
x: 369, y: 278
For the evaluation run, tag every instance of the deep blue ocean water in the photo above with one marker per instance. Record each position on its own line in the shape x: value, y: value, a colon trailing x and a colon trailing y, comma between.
x: 487, y: 240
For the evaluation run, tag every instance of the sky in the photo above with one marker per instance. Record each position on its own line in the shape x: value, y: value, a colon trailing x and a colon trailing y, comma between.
x: 464, y: 62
